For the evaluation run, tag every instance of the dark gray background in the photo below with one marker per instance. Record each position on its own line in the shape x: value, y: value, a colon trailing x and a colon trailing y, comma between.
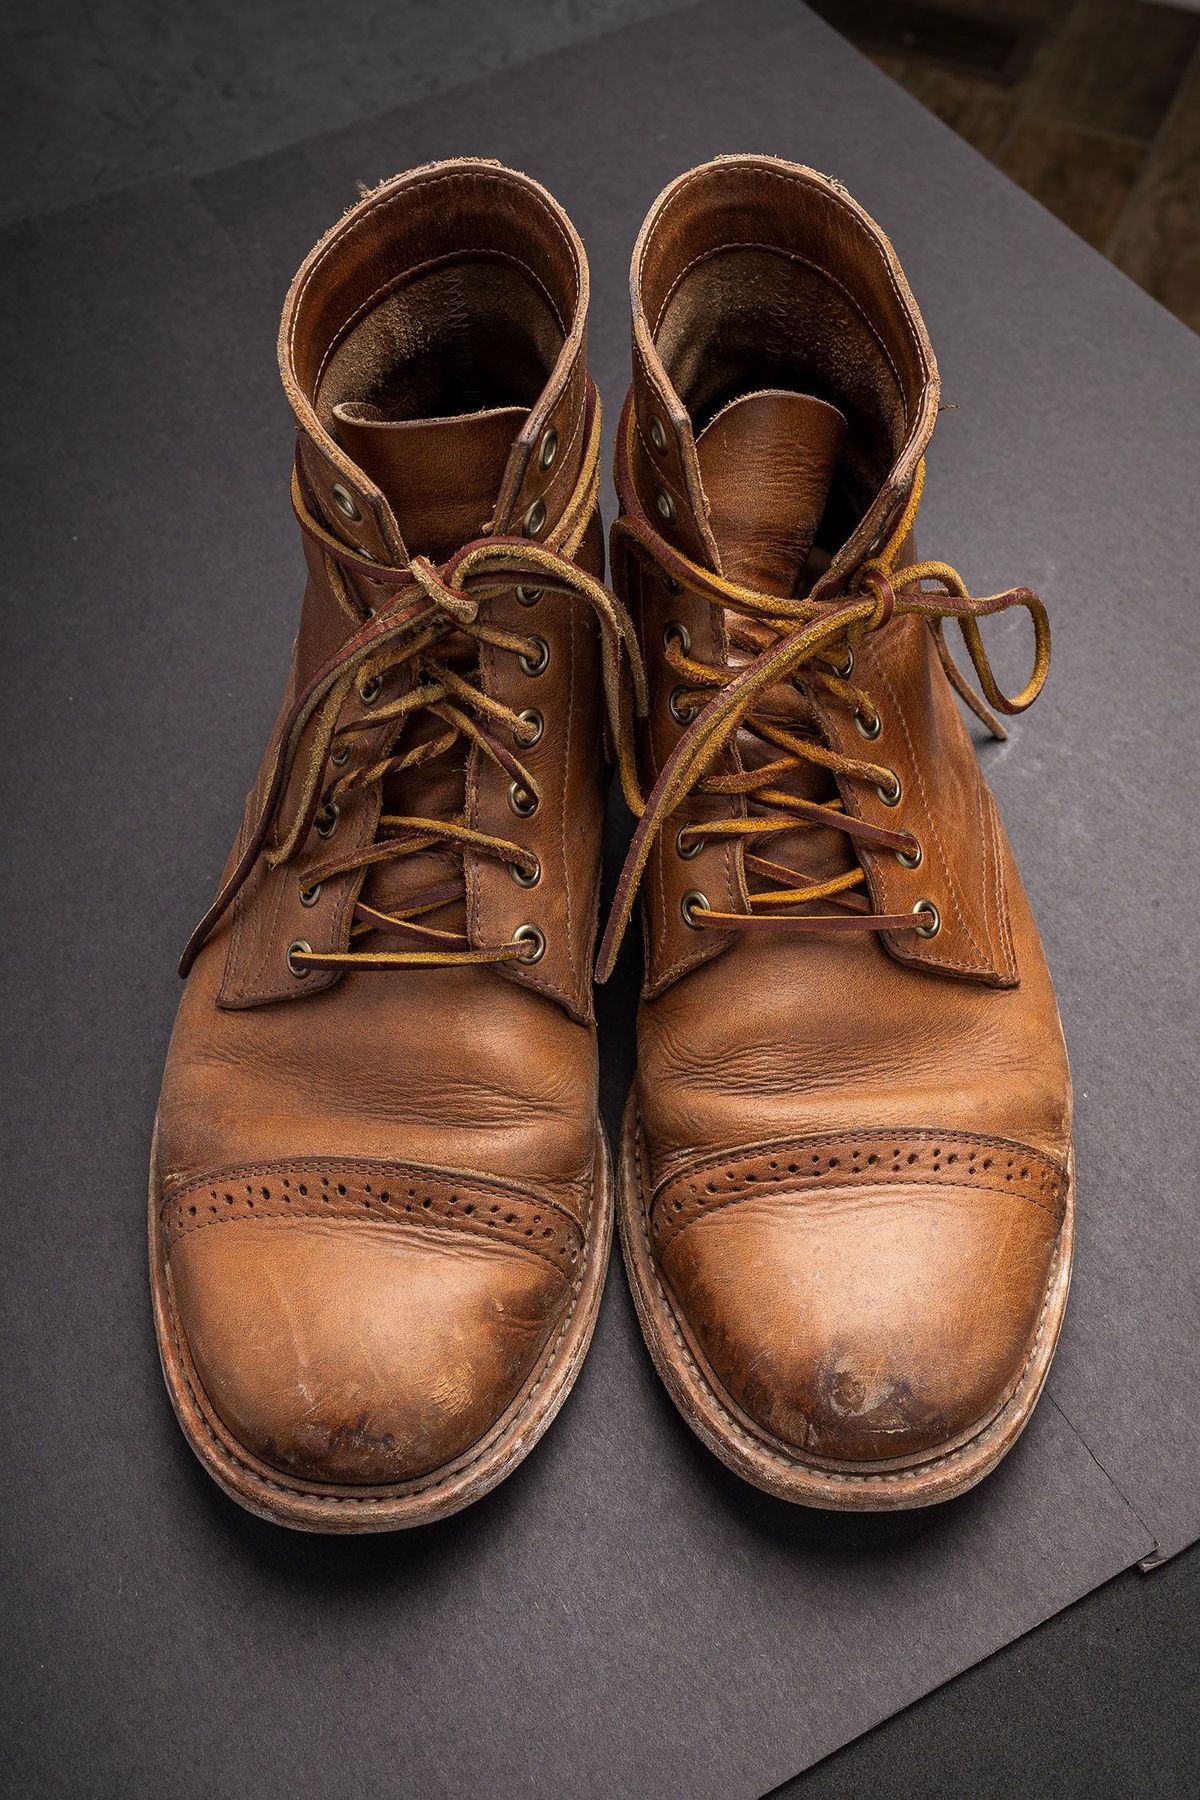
x: 621, y: 1617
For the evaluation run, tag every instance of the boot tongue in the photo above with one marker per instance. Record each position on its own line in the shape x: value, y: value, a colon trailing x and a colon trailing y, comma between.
x: 766, y: 464
x: 441, y: 477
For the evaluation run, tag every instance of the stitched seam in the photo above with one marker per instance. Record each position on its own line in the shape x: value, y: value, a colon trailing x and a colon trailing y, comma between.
x: 868, y: 1134
x: 176, y: 1188
x: 772, y: 1446
x: 668, y: 1234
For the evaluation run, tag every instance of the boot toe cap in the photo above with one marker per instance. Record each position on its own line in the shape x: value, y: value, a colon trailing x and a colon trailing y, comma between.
x: 869, y: 1322
x: 362, y: 1344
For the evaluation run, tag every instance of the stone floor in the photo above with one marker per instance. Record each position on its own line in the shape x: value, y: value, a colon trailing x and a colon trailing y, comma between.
x: 1092, y: 106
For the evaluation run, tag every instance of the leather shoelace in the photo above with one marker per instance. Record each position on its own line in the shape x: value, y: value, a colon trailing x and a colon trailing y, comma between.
x: 787, y: 639
x: 426, y: 605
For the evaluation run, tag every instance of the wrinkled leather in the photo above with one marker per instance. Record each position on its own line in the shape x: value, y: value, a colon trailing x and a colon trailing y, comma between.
x: 377, y: 1189
x: 853, y: 1151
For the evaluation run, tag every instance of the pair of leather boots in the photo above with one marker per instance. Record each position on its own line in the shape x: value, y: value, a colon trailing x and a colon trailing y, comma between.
x: 381, y: 1199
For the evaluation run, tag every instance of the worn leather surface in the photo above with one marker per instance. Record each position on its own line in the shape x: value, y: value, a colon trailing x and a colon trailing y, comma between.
x: 854, y: 1148
x: 377, y: 1187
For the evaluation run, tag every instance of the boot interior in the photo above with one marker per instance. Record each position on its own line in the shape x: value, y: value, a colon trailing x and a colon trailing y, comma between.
x: 747, y: 319
x: 472, y: 335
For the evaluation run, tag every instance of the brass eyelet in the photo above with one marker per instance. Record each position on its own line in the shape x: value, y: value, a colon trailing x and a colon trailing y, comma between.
x: 310, y: 895
x: 682, y: 711
x: 845, y: 670
x: 665, y: 505
x: 522, y: 802
x: 870, y: 726
x: 538, y: 661
x: 345, y: 502
x: 528, y: 596
x: 298, y: 947
x: 676, y: 633
x: 340, y: 757
x: 658, y: 435
x: 693, y: 902
x: 327, y: 818
x: 549, y: 449
x: 533, y: 718
x: 933, y: 916
x: 687, y: 851
x: 669, y: 582
x: 911, y: 859
x: 891, y: 795
x: 370, y: 688
x: 536, y: 939
x: 526, y: 878
x: 534, y: 519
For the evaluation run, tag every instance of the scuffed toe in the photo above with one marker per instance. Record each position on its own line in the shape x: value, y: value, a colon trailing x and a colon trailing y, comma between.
x: 858, y: 1316
x: 364, y: 1330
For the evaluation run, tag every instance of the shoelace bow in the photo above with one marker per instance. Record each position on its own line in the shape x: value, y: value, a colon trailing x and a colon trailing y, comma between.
x: 817, y: 638
x: 426, y: 604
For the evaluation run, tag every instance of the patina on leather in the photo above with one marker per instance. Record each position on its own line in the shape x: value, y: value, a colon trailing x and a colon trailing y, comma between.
x: 846, y: 1188
x: 380, y: 1204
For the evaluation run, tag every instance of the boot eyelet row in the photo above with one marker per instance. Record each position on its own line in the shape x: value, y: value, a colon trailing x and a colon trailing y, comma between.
x: 682, y: 711
x: 676, y: 633
x: 310, y: 895
x: 868, y: 725
x: 684, y: 850
x: 528, y: 596
x: 327, y: 817
x: 890, y: 795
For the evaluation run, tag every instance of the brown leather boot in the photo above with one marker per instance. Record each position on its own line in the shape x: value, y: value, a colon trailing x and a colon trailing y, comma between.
x: 380, y: 1206
x: 846, y: 1185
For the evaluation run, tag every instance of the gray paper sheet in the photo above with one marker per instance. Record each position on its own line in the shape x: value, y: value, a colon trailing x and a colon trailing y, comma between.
x: 622, y: 1616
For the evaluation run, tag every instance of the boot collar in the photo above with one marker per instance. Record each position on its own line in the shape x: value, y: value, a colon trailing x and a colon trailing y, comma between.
x: 410, y: 225
x: 761, y: 203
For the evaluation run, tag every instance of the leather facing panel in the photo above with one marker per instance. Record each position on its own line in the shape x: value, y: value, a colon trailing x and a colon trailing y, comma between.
x: 945, y: 803
x: 566, y: 831
x: 671, y: 946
